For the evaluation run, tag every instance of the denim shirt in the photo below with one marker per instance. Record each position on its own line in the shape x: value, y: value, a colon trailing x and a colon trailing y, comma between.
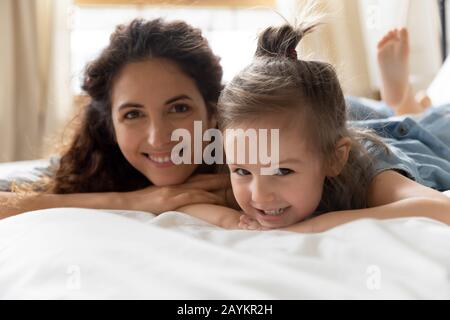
x: 419, y: 144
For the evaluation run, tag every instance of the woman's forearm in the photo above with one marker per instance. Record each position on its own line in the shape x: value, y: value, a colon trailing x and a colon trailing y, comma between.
x: 437, y: 209
x: 12, y: 204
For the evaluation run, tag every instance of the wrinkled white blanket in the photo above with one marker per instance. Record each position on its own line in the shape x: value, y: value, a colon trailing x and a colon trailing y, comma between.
x: 91, y: 254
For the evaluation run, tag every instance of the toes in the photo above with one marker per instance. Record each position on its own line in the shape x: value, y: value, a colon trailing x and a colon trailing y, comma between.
x: 391, y: 35
x: 383, y: 41
x: 398, y: 34
x: 403, y: 34
x: 404, y: 41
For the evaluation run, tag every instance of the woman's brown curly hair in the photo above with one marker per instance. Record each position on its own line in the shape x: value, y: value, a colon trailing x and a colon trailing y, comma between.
x: 93, y: 161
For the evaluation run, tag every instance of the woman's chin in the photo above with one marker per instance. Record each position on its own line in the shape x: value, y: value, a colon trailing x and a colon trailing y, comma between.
x: 176, y: 177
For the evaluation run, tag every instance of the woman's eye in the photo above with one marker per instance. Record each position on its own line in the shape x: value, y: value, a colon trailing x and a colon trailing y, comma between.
x: 283, y: 172
x: 179, y: 108
x: 132, y: 115
x: 241, y: 172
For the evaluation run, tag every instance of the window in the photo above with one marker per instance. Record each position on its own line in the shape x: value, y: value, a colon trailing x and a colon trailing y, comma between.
x: 230, y: 30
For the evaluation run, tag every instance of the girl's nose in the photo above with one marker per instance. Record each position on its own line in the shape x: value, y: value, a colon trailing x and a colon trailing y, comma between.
x: 261, y: 192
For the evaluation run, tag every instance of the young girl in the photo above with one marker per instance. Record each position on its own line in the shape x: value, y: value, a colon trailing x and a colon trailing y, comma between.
x: 329, y: 173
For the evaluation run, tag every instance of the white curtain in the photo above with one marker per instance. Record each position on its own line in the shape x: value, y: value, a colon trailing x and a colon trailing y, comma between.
x: 352, y: 28
x: 338, y: 41
x: 35, y: 97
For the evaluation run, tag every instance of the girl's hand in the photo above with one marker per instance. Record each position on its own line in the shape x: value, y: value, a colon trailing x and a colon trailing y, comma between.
x: 248, y: 223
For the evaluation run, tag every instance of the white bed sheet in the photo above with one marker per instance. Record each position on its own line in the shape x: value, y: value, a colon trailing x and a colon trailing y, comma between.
x: 95, y: 254
x: 21, y: 168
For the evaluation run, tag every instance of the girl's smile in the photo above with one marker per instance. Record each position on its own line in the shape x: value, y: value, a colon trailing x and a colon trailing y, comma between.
x: 272, y: 215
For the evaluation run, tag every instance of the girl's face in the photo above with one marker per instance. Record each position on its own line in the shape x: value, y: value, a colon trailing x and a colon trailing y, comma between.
x: 291, y: 193
x: 151, y: 99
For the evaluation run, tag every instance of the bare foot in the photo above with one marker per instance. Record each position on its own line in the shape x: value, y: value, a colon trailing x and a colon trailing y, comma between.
x: 393, y: 61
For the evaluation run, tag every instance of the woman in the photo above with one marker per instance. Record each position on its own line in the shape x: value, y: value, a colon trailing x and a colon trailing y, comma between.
x: 152, y: 78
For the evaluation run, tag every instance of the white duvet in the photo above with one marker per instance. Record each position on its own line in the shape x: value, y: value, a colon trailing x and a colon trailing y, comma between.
x: 93, y: 254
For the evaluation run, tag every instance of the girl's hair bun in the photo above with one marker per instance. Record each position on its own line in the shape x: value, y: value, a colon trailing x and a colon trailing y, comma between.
x: 281, y: 41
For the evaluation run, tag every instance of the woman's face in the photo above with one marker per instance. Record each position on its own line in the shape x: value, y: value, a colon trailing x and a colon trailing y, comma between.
x: 150, y: 99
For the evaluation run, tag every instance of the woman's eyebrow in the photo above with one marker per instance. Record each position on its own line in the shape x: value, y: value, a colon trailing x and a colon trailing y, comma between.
x: 130, y: 105
x: 180, y: 97
x: 140, y: 106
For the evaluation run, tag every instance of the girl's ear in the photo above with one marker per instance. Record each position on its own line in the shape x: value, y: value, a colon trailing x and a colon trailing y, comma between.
x: 343, y: 147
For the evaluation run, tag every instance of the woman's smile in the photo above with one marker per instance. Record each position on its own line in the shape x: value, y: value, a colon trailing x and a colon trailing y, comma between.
x: 159, y: 161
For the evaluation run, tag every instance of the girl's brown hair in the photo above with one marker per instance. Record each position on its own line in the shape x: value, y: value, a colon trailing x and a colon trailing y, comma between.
x: 93, y: 161
x: 309, y: 92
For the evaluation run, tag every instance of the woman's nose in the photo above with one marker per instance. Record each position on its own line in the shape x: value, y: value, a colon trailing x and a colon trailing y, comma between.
x: 261, y: 192
x: 158, y: 134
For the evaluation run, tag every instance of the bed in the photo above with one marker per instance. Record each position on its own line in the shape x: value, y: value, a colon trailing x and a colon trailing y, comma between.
x: 71, y: 253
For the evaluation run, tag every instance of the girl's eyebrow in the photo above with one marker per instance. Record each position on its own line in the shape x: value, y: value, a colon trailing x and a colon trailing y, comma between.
x: 291, y: 160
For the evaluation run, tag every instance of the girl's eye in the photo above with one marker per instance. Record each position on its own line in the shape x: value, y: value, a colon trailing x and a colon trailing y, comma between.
x: 132, y: 115
x: 241, y: 172
x: 179, y: 108
x: 283, y: 172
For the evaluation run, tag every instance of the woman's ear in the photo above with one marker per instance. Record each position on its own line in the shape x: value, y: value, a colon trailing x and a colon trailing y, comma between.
x: 342, y: 150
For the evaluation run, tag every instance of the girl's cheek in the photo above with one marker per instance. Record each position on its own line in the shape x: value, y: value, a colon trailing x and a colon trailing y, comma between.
x: 241, y: 194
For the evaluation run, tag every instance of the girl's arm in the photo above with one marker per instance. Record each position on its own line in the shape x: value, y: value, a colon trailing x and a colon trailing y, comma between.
x: 218, y: 215
x: 390, y: 195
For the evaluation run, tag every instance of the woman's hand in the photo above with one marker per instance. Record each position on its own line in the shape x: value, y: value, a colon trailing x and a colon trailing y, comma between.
x: 219, y: 184
x: 160, y: 199
x: 204, y: 188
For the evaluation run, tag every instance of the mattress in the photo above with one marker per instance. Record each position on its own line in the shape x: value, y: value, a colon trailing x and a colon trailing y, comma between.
x: 72, y: 253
